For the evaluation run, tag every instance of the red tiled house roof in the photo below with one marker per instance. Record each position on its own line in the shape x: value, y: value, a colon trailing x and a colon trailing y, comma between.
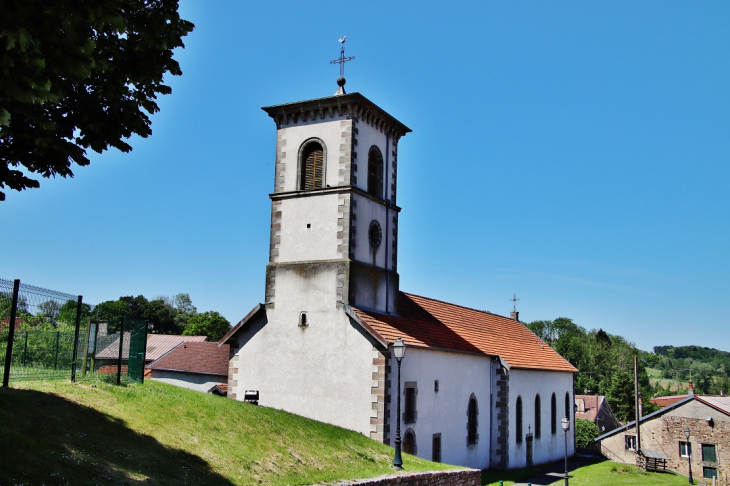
x: 195, y: 357
x: 666, y: 401
x: 591, y: 404
x: 157, y: 346
x: 433, y: 324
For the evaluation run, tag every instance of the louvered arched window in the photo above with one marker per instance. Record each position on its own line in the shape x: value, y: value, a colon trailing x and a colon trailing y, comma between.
x: 538, y: 417
x: 553, y: 414
x: 518, y: 419
x: 311, y: 166
x: 375, y: 172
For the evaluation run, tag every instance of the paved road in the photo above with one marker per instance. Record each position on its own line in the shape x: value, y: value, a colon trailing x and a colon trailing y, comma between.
x: 556, y: 471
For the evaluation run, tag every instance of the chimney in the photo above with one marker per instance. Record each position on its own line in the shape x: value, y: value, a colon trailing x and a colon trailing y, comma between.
x: 691, y: 389
x: 514, y: 315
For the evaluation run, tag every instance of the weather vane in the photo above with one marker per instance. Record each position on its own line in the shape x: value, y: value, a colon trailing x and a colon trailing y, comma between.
x: 514, y: 300
x: 341, y: 61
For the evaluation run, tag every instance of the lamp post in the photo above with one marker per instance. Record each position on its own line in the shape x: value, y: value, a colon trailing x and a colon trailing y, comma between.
x: 399, y: 350
x: 687, y: 433
x: 565, y: 423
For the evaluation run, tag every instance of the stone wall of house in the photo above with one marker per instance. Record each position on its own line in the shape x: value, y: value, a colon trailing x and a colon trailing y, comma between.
x: 666, y: 431
x: 470, y: 477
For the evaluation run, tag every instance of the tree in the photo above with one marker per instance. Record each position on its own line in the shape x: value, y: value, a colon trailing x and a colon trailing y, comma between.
x: 162, y: 317
x: 620, y: 395
x: 79, y: 75
x: 585, y: 433
x: 210, y: 324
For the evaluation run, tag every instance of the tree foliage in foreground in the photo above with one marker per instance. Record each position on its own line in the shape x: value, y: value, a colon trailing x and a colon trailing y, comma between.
x: 585, y: 433
x: 79, y: 75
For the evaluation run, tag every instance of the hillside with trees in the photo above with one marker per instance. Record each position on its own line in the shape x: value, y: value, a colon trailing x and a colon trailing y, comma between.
x: 708, y: 368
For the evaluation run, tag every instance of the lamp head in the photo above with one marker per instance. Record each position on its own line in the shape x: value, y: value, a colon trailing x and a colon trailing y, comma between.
x: 687, y: 432
x: 399, y: 349
x: 565, y: 423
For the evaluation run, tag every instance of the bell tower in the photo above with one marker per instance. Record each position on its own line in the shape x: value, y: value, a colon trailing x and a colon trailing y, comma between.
x: 334, y: 218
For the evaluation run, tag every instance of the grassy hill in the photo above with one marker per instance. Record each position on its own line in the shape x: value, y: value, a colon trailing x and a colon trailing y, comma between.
x: 58, y: 433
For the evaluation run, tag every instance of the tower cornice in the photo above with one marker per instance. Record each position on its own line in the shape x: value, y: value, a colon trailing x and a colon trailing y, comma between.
x: 331, y: 106
x: 278, y: 196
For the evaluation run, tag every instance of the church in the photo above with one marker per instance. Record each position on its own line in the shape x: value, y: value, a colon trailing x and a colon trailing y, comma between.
x: 477, y: 389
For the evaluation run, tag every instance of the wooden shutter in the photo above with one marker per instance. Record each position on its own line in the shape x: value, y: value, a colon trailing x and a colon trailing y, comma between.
x: 313, y: 170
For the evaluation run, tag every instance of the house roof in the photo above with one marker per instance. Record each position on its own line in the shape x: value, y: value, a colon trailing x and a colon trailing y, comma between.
x: 241, y: 323
x: 666, y: 401
x: 195, y: 357
x: 433, y: 324
x: 721, y: 403
x: 591, y: 403
x: 157, y: 346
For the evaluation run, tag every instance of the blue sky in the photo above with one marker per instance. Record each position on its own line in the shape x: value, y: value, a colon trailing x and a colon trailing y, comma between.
x: 573, y: 153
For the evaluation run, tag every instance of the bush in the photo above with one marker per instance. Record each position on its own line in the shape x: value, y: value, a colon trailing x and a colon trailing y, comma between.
x: 585, y: 433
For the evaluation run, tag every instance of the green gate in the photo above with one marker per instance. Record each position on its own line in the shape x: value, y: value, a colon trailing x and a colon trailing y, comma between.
x: 137, y: 349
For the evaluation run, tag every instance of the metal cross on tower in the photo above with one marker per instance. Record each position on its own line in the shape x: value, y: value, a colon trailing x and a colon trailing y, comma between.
x: 514, y: 300
x: 341, y: 61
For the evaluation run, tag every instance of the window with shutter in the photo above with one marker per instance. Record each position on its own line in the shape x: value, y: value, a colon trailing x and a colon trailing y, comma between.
x: 312, y: 167
x: 375, y: 172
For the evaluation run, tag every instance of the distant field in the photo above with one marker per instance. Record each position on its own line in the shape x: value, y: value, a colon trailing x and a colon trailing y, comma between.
x: 655, y: 376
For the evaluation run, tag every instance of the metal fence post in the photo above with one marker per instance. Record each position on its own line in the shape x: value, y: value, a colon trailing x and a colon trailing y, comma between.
x: 25, y: 347
x: 76, y: 338
x: 11, y: 332
x: 55, y: 359
x: 121, y: 349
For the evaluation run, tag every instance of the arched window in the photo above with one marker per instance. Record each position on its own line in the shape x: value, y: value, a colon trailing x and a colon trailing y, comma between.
x: 553, y: 414
x: 518, y: 419
x: 409, y: 442
x: 538, y: 418
x: 472, y: 437
x: 311, y: 166
x: 375, y: 172
x: 567, y: 405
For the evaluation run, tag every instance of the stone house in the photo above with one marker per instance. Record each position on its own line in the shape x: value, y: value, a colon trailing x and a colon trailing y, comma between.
x: 477, y: 389
x: 707, y: 449
x: 199, y: 366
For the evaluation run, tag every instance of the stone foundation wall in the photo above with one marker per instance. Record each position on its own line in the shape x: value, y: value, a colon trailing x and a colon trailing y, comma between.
x: 471, y: 477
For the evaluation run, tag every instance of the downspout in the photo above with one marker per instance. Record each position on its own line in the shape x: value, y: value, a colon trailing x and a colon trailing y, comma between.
x: 387, y: 219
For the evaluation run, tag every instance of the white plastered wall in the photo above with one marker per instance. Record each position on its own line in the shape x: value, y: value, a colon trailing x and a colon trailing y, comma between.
x: 319, y: 241
x: 527, y: 384
x: 328, y: 131
x: 445, y: 411
x: 322, y: 371
x: 192, y: 381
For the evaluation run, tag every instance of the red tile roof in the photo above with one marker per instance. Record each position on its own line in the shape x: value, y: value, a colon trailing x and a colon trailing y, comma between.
x: 666, y: 401
x: 157, y: 346
x: 195, y: 357
x: 429, y: 323
x: 591, y: 404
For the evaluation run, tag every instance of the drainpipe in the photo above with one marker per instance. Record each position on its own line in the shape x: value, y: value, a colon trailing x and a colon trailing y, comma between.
x: 387, y: 219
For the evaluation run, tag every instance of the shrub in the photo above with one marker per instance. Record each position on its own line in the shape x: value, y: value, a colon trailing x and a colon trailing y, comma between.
x: 585, y: 433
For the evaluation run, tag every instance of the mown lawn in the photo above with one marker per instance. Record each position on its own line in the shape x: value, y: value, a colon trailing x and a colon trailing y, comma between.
x: 59, y: 433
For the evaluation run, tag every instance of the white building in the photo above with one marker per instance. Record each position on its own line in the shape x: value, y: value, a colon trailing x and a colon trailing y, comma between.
x: 320, y: 345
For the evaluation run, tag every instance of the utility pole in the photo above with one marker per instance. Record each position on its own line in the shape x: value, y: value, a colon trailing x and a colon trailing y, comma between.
x: 636, y: 404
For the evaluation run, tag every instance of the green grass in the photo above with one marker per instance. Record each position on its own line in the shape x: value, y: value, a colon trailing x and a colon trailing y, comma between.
x: 59, y: 433
x: 607, y: 473
x: 492, y: 477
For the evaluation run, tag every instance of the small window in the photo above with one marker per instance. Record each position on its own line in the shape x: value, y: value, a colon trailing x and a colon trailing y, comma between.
x: 568, y: 415
x: 630, y: 442
x: 538, y: 416
x: 518, y: 419
x: 410, y: 414
x: 553, y: 415
x: 472, y: 423
x: 312, y: 167
x: 709, y: 453
x: 709, y: 472
x: 375, y: 172
x: 436, y: 386
x: 436, y: 448
x: 685, y: 449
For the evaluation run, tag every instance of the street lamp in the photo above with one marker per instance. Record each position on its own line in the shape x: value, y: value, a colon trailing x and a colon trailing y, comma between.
x: 565, y: 423
x: 687, y: 433
x: 399, y: 350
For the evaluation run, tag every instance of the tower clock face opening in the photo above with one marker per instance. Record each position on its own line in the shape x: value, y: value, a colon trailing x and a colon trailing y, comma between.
x: 375, y: 234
